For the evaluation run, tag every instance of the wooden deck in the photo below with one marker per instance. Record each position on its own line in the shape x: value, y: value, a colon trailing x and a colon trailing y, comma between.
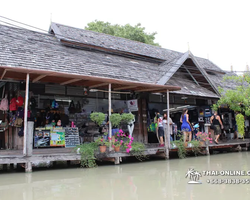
x: 68, y: 154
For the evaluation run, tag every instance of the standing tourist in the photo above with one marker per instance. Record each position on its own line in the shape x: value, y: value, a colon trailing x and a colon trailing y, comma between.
x: 165, y: 126
x: 186, y: 126
x: 160, y: 129
x: 217, y: 126
x: 156, y: 125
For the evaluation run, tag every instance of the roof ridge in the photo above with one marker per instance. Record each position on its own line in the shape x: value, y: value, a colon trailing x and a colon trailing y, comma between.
x: 99, y: 33
x: 26, y: 29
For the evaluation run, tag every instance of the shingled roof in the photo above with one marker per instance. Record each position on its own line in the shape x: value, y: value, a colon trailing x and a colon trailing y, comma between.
x: 68, y: 33
x: 27, y: 49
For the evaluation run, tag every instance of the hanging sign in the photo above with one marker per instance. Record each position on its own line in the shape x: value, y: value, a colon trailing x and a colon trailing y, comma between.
x: 132, y: 105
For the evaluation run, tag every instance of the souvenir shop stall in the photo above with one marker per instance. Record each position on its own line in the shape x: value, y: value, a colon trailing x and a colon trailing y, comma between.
x: 64, y: 121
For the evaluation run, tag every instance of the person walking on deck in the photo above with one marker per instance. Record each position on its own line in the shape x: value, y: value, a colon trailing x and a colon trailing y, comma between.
x: 217, y: 126
x: 186, y: 127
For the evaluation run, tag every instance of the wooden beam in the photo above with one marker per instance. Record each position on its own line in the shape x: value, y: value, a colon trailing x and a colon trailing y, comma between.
x: 147, y: 90
x: 70, y: 81
x: 124, y: 87
x: 98, y: 85
x: 38, y: 78
x: 92, y: 78
x: 4, y: 72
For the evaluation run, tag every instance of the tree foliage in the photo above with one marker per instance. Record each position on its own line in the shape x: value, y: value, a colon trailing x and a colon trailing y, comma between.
x: 237, y: 99
x: 136, y: 33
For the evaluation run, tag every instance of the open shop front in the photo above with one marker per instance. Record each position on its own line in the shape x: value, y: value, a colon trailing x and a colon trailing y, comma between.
x: 60, y: 105
x: 199, y: 110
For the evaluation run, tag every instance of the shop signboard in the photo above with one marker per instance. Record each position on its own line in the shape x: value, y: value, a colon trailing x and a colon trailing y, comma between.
x: 132, y: 105
x: 42, y: 138
x: 71, y: 137
x: 57, y: 138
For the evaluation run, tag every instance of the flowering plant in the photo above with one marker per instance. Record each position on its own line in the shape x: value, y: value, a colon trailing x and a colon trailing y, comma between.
x: 117, y: 143
x: 101, y: 141
x: 128, y: 144
x: 203, y: 137
x: 124, y: 140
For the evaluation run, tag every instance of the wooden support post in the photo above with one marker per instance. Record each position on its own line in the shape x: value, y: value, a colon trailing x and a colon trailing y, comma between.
x: 29, y: 145
x: 117, y: 160
x: 110, y: 126
x: 28, y: 167
x: 26, y: 115
x: 207, y: 150
x: 29, y: 138
x: 167, y: 138
x: 11, y: 166
x: 4, y: 167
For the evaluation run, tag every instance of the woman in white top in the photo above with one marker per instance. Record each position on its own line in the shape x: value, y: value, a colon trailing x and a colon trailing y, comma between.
x: 165, y: 123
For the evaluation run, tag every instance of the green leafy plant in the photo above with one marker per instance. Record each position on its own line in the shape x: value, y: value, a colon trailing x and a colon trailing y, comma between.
x: 97, y: 117
x: 128, y: 31
x: 172, y: 144
x: 237, y: 98
x: 240, y: 124
x: 196, y: 147
x: 87, y: 151
x: 115, y: 119
x: 181, y: 147
x: 127, y: 117
x: 138, y: 150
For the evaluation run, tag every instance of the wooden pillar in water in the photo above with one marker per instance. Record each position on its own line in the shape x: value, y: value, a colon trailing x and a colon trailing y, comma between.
x: 29, y: 145
x: 144, y: 120
x: 25, y: 131
x: 167, y: 138
x: 110, y: 126
x: 140, y: 137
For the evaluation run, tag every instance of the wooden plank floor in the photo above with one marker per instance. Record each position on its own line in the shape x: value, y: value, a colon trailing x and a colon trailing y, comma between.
x: 64, y: 154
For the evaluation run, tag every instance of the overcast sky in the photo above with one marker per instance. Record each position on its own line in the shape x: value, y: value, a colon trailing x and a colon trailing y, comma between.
x: 215, y: 29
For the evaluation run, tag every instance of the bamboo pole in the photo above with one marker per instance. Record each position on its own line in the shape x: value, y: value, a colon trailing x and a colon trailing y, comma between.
x: 26, y: 115
x: 110, y: 126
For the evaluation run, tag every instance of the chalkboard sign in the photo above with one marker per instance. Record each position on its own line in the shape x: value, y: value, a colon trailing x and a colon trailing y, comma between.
x: 71, y: 137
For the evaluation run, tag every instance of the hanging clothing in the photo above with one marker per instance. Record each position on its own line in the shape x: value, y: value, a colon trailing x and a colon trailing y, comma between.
x: 13, y: 106
x: 19, y: 101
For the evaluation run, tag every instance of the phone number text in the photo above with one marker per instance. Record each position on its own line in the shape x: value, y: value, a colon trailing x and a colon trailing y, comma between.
x: 228, y: 181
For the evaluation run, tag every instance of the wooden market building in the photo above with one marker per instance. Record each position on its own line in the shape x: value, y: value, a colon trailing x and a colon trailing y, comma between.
x: 67, y: 62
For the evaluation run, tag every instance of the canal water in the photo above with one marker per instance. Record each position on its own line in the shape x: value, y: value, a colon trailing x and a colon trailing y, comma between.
x: 158, y: 179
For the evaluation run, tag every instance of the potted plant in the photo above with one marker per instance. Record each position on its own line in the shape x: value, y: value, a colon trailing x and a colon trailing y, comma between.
x: 115, y: 119
x: 102, y: 143
x: 117, y: 144
x: 127, y: 118
x: 203, y: 138
x: 97, y: 117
